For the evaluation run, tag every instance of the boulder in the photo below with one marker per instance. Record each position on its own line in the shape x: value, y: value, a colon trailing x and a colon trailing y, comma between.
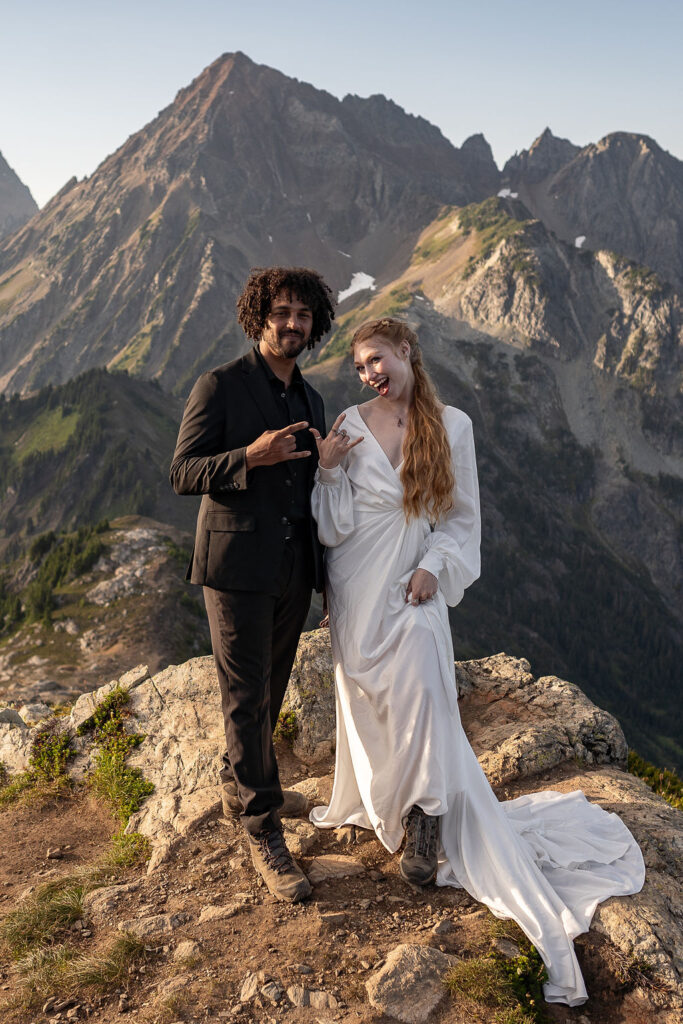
x: 309, y: 704
x: 519, y: 725
x: 35, y: 712
x: 179, y: 712
x: 100, y: 905
x: 410, y: 984
x: 87, y: 703
x: 15, y: 743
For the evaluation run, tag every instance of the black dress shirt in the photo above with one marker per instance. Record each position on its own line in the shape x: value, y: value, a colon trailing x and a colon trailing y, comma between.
x: 293, y: 406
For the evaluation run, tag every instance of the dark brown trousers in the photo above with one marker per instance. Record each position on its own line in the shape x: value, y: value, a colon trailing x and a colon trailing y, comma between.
x: 254, y: 638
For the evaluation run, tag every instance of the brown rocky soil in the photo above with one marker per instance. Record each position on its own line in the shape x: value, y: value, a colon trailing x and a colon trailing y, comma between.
x: 217, y: 946
x: 330, y: 944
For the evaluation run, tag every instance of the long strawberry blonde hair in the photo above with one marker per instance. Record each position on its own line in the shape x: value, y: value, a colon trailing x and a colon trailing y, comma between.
x: 427, y: 472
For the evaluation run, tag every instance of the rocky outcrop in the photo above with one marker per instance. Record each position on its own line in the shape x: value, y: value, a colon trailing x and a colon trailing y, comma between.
x: 508, y: 713
x: 520, y: 726
x: 308, y: 710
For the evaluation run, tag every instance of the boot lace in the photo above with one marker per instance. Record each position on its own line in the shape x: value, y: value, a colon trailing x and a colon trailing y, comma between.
x: 422, y: 833
x: 274, y: 851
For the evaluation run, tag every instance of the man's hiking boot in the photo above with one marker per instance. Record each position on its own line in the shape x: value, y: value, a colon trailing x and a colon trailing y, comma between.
x: 276, y: 866
x: 296, y: 805
x: 419, y: 858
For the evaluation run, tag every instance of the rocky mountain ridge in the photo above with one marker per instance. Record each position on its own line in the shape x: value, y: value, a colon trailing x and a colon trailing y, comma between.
x: 97, y: 619
x: 94, y: 448
x: 623, y: 193
x: 17, y: 205
x: 139, y: 265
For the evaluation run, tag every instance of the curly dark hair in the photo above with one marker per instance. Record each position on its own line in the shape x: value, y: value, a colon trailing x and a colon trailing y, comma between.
x: 264, y: 285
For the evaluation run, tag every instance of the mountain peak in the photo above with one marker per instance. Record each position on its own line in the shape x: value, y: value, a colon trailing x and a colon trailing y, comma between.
x: 17, y: 205
x: 546, y: 155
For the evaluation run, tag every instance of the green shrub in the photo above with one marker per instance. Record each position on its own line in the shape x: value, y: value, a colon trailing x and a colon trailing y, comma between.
x: 122, y: 787
x: 661, y: 780
x: 287, y: 727
x: 49, y: 755
x: 48, y: 759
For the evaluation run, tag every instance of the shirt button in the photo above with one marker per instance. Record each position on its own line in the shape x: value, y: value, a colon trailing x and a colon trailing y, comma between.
x: 283, y: 395
x: 284, y: 520
x: 288, y: 483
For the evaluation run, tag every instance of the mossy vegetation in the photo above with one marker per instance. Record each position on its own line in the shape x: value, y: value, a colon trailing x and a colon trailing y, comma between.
x: 436, y: 243
x: 514, y: 985
x: 493, y: 225
x: 661, y: 780
x: 134, y: 356
x: 51, y: 431
x: 287, y: 727
x: 47, y: 768
x: 123, y: 788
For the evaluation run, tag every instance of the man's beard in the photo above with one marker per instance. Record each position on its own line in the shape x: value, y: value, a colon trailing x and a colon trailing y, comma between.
x: 290, y: 344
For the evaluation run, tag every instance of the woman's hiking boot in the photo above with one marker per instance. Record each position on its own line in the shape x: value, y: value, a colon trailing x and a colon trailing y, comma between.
x: 419, y: 858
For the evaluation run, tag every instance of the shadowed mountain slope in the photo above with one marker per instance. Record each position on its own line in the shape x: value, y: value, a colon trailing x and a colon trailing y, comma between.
x: 96, y: 447
x: 576, y: 412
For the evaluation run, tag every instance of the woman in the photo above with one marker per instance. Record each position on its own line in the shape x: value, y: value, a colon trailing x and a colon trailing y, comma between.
x: 397, y: 504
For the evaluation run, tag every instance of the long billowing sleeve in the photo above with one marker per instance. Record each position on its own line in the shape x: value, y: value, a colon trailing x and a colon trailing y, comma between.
x: 452, y: 549
x: 332, y: 505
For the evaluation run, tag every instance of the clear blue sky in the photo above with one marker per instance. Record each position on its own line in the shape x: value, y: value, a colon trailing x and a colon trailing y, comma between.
x: 77, y: 78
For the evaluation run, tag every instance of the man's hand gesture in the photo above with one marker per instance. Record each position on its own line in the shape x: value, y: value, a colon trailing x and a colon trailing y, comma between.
x: 276, y: 446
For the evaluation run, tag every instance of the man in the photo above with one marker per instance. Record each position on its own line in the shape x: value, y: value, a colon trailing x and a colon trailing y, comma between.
x: 246, y: 444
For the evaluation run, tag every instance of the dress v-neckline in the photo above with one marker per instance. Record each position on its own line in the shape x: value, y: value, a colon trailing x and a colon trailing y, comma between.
x: 369, y: 430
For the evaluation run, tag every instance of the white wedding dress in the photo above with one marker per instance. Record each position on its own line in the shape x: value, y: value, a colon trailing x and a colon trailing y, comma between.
x: 546, y: 859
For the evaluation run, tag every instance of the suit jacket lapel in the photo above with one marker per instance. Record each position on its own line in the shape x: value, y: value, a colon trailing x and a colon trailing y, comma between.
x: 260, y: 390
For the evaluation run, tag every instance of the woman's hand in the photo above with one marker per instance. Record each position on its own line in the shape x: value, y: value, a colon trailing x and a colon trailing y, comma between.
x: 422, y: 586
x: 333, y: 448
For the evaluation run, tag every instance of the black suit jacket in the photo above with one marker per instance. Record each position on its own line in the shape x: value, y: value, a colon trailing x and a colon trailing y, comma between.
x: 242, y: 519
